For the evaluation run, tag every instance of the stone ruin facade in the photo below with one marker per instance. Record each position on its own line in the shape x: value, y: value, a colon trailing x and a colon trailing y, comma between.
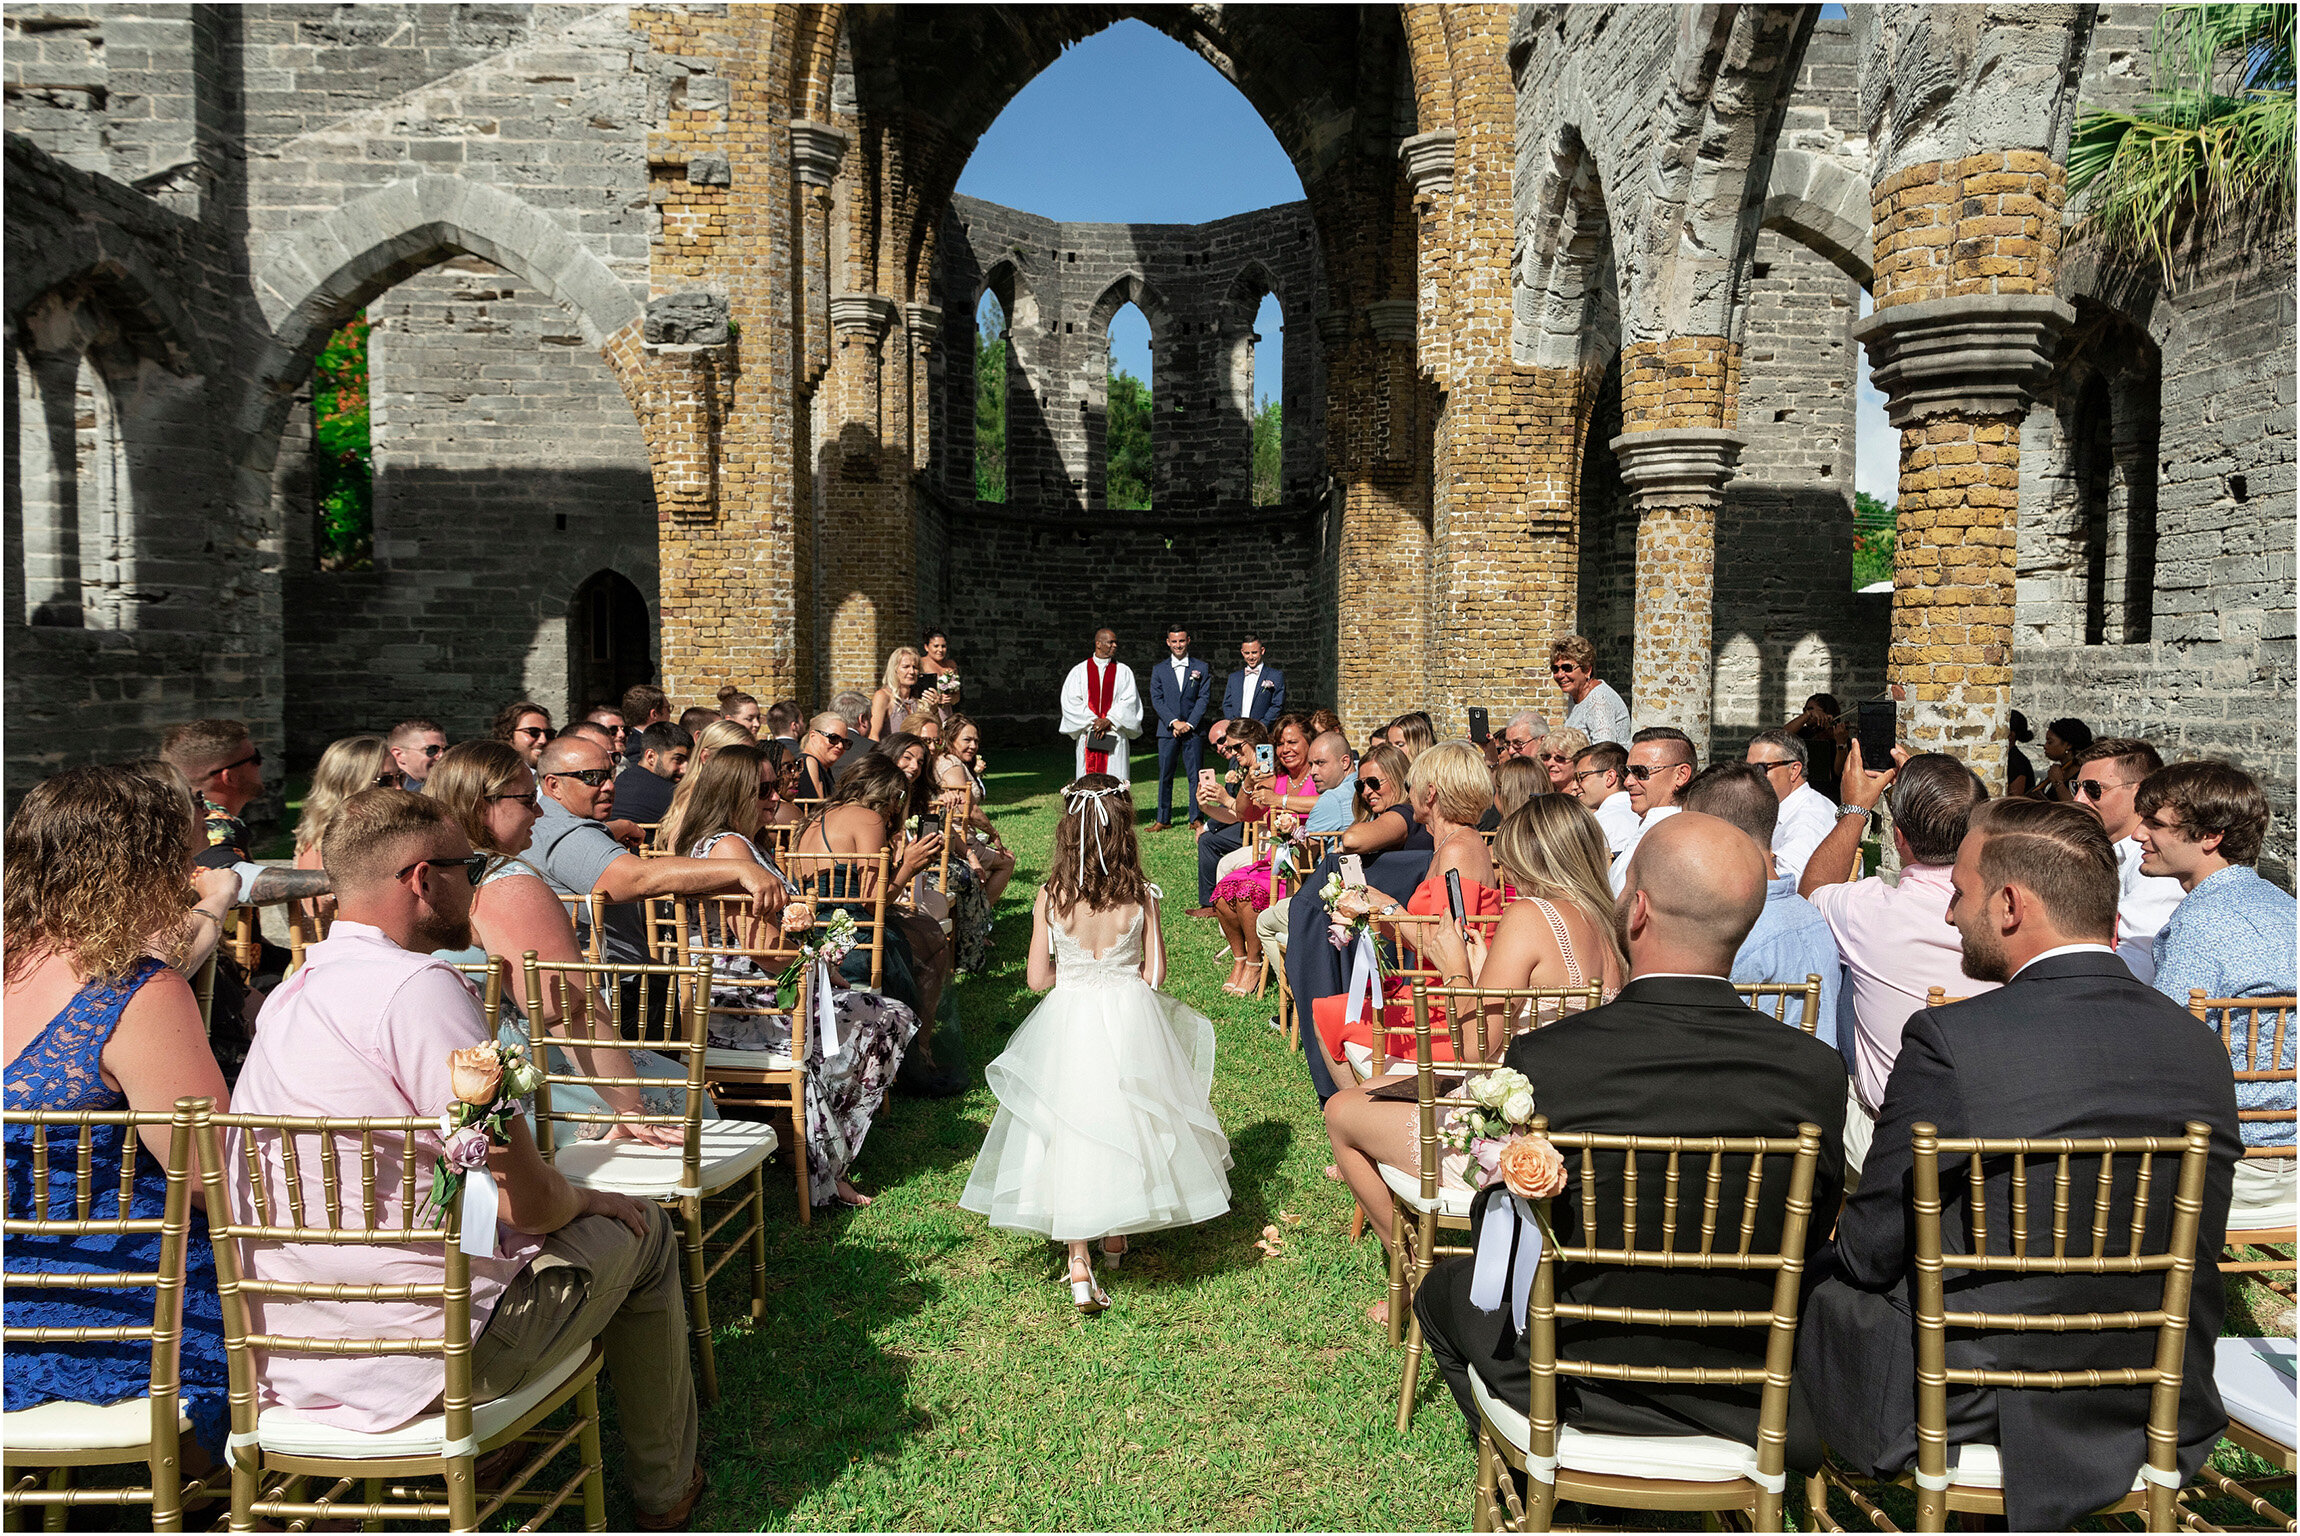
x: 673, y: 326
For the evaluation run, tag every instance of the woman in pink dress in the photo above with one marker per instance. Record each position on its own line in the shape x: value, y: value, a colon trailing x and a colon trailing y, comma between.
x: 1244, y: 892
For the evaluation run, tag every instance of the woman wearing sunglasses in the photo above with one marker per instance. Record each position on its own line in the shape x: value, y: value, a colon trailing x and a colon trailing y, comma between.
x: 490, y: 791
x: 1555, y: 753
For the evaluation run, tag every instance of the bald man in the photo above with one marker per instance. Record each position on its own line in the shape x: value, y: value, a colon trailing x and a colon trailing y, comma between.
x: 1677, y: 1053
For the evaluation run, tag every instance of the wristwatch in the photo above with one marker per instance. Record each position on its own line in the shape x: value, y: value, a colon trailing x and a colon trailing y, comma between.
x: 1853, y: 810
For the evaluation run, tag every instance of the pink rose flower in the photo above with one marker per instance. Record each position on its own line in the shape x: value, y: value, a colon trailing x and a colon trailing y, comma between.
x: 466, y: 1150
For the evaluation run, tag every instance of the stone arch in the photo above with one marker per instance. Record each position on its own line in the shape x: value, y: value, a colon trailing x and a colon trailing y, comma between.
x: 608, y: 625
x: 1822, y: 202
x: 1568, y: 280
x: 1135, y: 289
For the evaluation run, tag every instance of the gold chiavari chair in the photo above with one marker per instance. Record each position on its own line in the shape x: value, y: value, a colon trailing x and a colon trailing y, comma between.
x: 1938, y: 997
x: 1479, y: 1023
x: 711, y: 1158
x: 359, y: 1164
x: 1807, y: 992
x: 861, y: 883
x: 306, y: 926
x: 204, y: 988
x: 1974, y: 1485
x: 2275, y: 1013
x: 1694, y: 1472
x: 588, y: 914
x: 775, y: 838
x: 710, y: 930
x: 244, y: 937
x: 1289, y: 1020
x: 43, y: 1445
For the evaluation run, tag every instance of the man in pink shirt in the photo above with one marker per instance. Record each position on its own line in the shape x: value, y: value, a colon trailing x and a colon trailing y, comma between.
x: 1893, y: 938
x: 366, y: 1028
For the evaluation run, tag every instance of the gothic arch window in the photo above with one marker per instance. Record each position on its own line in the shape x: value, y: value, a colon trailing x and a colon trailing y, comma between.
x: 993, y: 337
x: 71, y: 500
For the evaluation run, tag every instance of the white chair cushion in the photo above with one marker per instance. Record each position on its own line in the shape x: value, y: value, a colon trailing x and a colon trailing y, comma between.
x: 1408, y: 1188
x: 288, y: 1433
x: 754, y: 1061
x: 731, y: 1149
x: 2255, y: 1377
x: 1359, y: 1057
x: 1668, y: 1458
x: 1979, y: 1466
x: 81, y: 1427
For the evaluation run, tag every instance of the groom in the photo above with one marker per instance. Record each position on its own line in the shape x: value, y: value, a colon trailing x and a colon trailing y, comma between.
x: 1178, y: 692
x: 1101, y: 709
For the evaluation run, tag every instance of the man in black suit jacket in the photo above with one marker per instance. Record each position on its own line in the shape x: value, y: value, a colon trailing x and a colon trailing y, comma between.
x: 1676, y: 1054
x: 2071, y: 1045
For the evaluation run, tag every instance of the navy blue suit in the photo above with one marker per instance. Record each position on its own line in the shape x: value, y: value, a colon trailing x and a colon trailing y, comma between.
x: 1187, y: 703
x: 1268, y: 703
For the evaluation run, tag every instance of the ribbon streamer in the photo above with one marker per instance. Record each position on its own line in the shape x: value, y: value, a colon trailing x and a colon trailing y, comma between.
x: 1508, y: 1252
x: 1072, y: 800
x: 1365, y: 969
x: 479, y: 1204
x: 826, y: 1015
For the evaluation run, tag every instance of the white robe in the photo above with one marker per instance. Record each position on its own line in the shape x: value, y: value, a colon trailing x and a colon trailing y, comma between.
x: 1125, y: 715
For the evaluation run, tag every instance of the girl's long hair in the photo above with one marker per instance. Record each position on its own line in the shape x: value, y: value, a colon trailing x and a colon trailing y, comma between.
x: 719, y: 794
x: 1552, y: 847
x: 96, y: 871
x: 345, y: 768
x: 1097, y: 863
x: 920, y: 797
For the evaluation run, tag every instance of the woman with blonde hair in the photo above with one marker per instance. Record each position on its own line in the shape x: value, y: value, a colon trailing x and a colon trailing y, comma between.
x: 713, y: 738
x: 1559, y: 934
x: 1556, y: 753
x: 347, y: 767
x: 1413, y: 733
x: 895, y: 687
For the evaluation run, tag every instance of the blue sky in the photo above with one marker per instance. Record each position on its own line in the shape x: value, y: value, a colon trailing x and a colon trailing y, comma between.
x: 1172, y: 142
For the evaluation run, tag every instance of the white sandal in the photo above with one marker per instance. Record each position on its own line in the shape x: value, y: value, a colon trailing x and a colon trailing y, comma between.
x: 1109, y: 1255
x: 1087, y: 1296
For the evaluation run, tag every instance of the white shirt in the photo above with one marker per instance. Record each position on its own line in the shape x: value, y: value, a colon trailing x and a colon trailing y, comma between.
x: 1652, y: 819
x: 2144, y: 904
x: 1246, y: 689
x: 1181, y: 666
x: 2068, y: 949
x: 1807, y: 816
x: 1617, y: 819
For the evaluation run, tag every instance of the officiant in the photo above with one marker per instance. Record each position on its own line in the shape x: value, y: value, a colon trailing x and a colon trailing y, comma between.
x: 1102, y: 709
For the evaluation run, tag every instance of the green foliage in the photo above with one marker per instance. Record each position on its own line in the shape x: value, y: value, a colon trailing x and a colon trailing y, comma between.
x: 343, y: 469
x: 989, y: 416
x: 1269, y: 453
x: 2210, y: 155
x: 1872, y: 540
x: 1128, y: 443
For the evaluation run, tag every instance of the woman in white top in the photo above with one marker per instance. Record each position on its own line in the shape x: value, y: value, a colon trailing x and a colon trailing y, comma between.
x: 891, y: 703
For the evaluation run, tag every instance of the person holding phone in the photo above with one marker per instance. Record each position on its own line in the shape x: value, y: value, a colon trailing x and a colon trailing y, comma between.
x: 1282, y: 787
x: 1223, y: 799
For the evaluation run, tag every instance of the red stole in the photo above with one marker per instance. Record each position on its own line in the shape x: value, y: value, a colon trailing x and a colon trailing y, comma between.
x: 1100, y: 691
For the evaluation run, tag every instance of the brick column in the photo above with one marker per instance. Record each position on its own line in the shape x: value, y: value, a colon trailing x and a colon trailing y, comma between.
x: 1963, y: 334
x: 816, y: 150
x: 868, y: 555
x: 1382, y: 627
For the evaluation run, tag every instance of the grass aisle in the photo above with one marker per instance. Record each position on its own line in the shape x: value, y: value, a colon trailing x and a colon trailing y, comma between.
x: 918, y: 1370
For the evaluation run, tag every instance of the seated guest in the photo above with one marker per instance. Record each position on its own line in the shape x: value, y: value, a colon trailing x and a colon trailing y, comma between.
x: 97, y: 862
x: 821, y: 749
x: 1790, y: 940
x: 1225, y: 803
x: 366, y: 1028
x: 525, y: 726
x: 1559, y: 934
x: 218, y: 889
x: 609, y: 717
x: 844, y: 1089
x: 1324, y: 720
x: 414, y: 745
x: 1335, y: 773
x: 697, y: 720
x: 345, y: 768
x: 2104, y: 778
x: 891, y: 702
x: 741, y: 708
x: 1601, y: 784
x: 2231, y: 936
x: 2063, y: 740
x: 923, y: 813
x: 1516, y: 781
x: 1242, y: 886
x: 643, y: 705
x: 986, y: 853
x: 783, y: 720
x: 1521, y: 738
x: 643, y: 790
x: 1556, y: 752
x: 1413, y: 733
x: 2069, y: 1046
x: 1889, y: 933
x: 1806, y: 816
x: 1661, y: 763
x: 855, y: 709
x: 1676, y: 1054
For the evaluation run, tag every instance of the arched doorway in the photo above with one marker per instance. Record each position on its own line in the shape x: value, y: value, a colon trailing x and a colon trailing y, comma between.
x: 610, y: 641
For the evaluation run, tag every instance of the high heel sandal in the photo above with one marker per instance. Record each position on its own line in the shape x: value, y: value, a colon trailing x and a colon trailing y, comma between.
x: 1085, y: 1294
x: 1109, y: 1255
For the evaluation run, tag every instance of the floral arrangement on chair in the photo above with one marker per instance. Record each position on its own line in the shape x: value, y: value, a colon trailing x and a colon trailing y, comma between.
x: 490, y: 1083
x: 834, y: 938
x: 1493, y: 1129
x: 1290, y: 851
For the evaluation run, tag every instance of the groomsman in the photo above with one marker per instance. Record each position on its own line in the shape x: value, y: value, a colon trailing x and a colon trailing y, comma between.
x: 1255, y: 692
x: 1179, y: 689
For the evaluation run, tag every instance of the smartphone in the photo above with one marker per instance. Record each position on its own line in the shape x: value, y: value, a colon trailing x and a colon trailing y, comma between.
x: 1353, y: 869
x: 1262, y: 757
x: 1877, y: 731
x: 1453, y: 897
x: 1478, y: 730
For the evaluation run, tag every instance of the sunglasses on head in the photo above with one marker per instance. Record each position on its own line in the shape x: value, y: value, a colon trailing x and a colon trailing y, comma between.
x: 591, y: 776
x: 473, y: 866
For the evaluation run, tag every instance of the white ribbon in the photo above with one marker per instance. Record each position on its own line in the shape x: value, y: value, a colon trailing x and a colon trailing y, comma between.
x: 1508, y: 1252
x: 2171, y: 1479
x: 1933, y: 1484
x: 479, y: 1203
x: 826, y: 1015
x: 1071, y: 800
x: 1542, y: 1469
x: 467, y: 1446
x: 1365, y: 966
x: 1771, y: 1482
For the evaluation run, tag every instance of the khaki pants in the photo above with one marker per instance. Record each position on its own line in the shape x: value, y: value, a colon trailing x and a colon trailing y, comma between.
x: 1270, y: 924
x: 594, y: 1279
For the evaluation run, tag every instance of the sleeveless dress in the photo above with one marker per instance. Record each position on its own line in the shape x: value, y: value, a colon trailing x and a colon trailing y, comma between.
x: 1251, y: 883
x: 1103, y: 1122
x: 844, y: 1092
x: 62, y: 1069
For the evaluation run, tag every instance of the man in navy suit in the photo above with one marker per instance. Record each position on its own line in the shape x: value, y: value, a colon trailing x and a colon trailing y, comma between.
x: 1255, y: 692
x: 1179, y: 688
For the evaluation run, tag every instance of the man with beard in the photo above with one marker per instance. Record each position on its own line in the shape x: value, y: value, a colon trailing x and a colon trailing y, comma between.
x: 2069, y: 1046
x: 367, y: 1027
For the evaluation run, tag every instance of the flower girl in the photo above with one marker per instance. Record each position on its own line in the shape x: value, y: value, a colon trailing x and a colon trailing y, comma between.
x: 1103, y: 1122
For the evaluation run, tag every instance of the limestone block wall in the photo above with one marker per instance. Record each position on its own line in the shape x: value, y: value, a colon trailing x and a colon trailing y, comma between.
x: 508, y: 470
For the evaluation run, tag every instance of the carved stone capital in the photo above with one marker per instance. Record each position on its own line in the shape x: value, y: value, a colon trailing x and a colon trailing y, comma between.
x: 867, y: 315
x: 816, y: 150
x: 1428, y: 159
x: 1334, y: 327
x: 1392, y: 319
x: 1678, y: 466
x: 1978, y: 355
x: 924, y: 323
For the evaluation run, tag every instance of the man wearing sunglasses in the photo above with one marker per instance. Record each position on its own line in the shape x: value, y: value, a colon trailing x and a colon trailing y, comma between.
x: 1661, y: 764
x: 415, y: 746
x: 1597, y: 711
x: 2105, y: 778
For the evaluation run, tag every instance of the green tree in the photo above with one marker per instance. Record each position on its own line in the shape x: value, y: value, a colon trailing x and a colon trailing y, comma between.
x: 989, y: 416
x: 2210, y: 154
x: 343, y: 466
x: 1872, y: 540
x: 1269, y: 453
x: 1127, y: 441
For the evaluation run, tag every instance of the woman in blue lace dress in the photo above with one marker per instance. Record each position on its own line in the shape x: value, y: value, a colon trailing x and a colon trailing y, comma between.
x: 98, y: 876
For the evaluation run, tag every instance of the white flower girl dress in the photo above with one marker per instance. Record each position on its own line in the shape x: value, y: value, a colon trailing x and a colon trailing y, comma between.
x: 1104, y: 1126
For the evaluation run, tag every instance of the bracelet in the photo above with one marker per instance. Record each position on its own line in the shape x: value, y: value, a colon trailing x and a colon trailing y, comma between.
x: 210, y: 916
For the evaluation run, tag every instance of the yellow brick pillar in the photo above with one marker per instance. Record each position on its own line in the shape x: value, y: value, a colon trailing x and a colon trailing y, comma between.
x: 1963, y: 334
x: 1379, y: 450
